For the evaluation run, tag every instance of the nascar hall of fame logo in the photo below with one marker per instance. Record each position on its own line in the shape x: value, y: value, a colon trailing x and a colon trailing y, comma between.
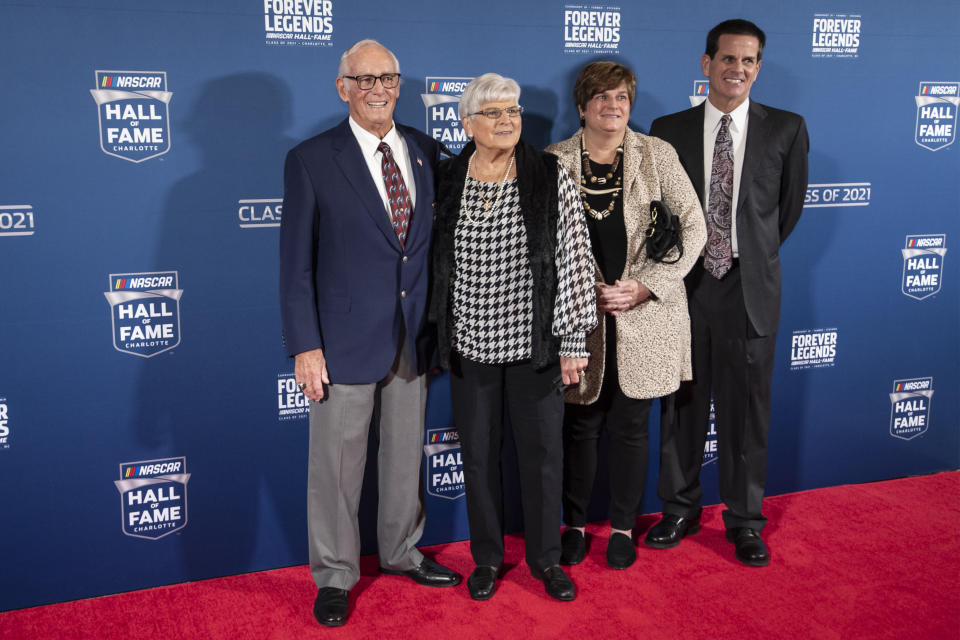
x: 259, y: 213
x: 145, y: 310
x: 134, y: 113
x: 442, y: 100
x: 444, y: 464
x: 17, y: 220
x: 305, y: 22
x: 937, y: 104
x: 813, y: 349
x: 835, y: 35
x: 4, y: 424
x: 291, y: 403
x: 910, y: 407
x: 153, y: 497
x: 700, y: 90
x: 591, y: 29
x: 923, y: 265
x: 710, y: 446
x: 838, y: 194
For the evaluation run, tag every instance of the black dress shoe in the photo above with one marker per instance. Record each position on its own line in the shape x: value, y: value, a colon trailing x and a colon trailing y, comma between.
x: 671, y: 530
x: 429, y: 573
x: 620, y: 551
x: 330, y: 607
x: 556, y: 583
x: 573, y: 546
x: 750, y: 549
x: 482, y: 583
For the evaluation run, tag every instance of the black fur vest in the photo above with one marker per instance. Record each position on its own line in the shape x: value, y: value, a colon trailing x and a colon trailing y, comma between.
x: 537, y: 174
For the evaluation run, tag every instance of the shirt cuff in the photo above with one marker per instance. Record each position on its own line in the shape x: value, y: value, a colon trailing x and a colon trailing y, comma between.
x: 574, y: 345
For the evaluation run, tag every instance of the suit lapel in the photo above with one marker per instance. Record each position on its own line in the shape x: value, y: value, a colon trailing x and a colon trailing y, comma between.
x: 694, y: 150
x: 756, y: 135
x: 354, y: 168
x: 419, y: 165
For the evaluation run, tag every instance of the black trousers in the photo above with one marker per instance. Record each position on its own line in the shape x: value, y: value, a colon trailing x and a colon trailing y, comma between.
x: 534, y: 401
x: 736, y: 364
x: 626, y: 421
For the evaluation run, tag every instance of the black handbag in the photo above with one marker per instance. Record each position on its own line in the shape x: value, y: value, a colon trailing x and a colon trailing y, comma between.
x: 663, y: 234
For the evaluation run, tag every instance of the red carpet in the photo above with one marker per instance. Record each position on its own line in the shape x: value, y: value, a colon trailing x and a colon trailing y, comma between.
x: 878, y: 560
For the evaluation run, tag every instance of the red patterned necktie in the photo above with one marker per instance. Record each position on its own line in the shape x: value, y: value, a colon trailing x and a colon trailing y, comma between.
x: 401, y: 209
x: 718, y: 257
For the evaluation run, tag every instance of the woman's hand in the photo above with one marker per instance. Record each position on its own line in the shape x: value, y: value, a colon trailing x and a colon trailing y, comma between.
x: 571, y: 369
x: 620, y: 296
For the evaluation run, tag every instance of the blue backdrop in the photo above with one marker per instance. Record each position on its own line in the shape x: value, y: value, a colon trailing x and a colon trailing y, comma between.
x: 149, y: 428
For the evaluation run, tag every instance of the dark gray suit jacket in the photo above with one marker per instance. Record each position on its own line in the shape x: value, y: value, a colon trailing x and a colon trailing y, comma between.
x: 773, y: 184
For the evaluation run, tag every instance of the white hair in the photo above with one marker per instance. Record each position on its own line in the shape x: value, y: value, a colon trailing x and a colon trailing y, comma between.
x: 490, y: 87
x: 343, y: 69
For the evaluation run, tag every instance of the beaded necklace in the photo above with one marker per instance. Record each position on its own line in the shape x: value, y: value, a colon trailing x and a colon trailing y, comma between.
x: 587, y: 176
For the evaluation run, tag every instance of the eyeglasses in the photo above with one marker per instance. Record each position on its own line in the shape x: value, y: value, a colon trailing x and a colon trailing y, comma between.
x: 494, y: 114
x: 366, y: 82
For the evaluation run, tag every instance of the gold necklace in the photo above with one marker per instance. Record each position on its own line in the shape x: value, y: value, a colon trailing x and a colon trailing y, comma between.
x: 469, y: 215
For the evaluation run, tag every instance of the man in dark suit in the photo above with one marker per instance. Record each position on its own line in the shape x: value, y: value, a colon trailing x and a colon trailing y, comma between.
x: 748, y: 164
x: 354, y: 241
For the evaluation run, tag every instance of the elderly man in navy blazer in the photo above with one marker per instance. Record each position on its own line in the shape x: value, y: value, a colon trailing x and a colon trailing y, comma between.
x: 354, y: 242
x: 748, y: 164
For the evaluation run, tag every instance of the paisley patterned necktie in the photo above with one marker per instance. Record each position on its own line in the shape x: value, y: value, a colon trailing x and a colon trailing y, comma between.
x: 718, y: 257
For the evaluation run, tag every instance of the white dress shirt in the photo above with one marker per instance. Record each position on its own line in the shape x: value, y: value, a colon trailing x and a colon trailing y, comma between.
x: 738, y: 132
x: 374, y: 159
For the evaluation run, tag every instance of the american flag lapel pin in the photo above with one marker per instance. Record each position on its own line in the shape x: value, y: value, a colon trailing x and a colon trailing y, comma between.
x: 419, y: 162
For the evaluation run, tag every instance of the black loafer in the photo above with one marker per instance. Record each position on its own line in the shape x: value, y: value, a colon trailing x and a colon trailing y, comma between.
x: 573, y: 547
x: 671, y: 530
x: 620, y: 551
x: 429, y: 573
x: 750, y: 549
x: 556, y: 583
x: 482, y: 583
x: 330, y: 607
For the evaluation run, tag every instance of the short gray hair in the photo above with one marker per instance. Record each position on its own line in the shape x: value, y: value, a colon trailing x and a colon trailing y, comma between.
x: 490, y: 87
x: 343, y: 69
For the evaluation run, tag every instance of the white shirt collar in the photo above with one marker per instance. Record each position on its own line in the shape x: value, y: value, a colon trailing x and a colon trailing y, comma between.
x: 369, y: 142
x: 738, y: 117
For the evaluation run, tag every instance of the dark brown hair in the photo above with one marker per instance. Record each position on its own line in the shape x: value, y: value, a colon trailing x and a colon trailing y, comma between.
x: 736, y: 27
x: 598, y: 77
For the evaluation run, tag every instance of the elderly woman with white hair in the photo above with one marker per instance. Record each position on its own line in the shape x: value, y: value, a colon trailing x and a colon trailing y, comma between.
x: 513, y: 299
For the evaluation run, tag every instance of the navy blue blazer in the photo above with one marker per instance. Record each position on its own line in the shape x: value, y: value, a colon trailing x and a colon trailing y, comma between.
x: 344, y: 280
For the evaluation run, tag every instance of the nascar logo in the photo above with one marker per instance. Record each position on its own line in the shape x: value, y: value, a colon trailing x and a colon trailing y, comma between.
x: 145, y: 312
x: 153, y: 497
x: 937, y: 104
x: 910, y: 407
x: 132, y: 108
x: 442, y: 100
x: 923, y: 265
x: 444, y: 463
x: 700, y: 90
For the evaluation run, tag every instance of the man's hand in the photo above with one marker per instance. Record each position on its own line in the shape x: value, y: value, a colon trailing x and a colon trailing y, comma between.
x: 310, y: 369
x: 571, y: 369
x: 620, y: 296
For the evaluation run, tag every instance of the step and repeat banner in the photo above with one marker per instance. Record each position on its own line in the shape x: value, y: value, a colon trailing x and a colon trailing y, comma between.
x: 151, y: 430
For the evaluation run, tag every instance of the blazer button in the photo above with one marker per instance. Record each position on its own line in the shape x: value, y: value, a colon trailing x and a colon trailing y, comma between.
x: 405, y: 258
x: 403, y: 294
